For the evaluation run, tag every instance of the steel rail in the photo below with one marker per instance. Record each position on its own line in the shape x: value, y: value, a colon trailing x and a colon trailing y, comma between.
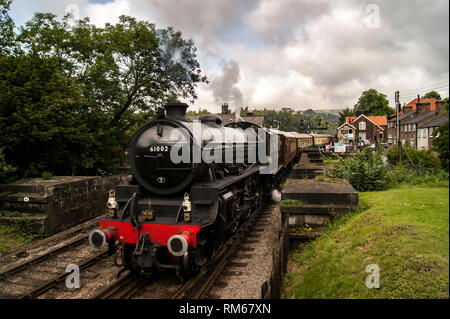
x: 199, y: 286
x: 53, y: 282
x: 51, y: 253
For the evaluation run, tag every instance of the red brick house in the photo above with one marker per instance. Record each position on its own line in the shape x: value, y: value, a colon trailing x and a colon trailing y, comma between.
x: 367, y: 128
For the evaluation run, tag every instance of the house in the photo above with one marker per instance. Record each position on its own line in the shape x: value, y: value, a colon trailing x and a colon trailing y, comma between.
x: 425, y: 132
x: 346, y: 133
x: 414, y: 115
x: 391, y: 131
x: 366, y: 128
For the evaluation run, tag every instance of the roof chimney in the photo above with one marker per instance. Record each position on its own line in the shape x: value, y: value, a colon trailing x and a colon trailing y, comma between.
x: 176, y: 111
x: 440, y: 109
x: 422, y: 107
x: 407, y: 108
x: 225, y: 108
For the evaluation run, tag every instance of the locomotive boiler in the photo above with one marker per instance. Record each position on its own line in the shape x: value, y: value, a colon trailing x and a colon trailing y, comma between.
x: 194, y: 184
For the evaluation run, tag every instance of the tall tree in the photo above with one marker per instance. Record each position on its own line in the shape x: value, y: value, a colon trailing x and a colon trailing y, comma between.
x: 432, y: 94
x: 74, y: 92
x: 371, y: 102
x: 124, y: 68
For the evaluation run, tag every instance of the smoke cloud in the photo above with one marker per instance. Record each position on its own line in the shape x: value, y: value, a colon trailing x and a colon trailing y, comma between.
x: 224, y: 87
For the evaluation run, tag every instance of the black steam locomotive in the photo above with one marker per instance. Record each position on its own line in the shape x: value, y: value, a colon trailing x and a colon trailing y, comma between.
x: 194, y: 183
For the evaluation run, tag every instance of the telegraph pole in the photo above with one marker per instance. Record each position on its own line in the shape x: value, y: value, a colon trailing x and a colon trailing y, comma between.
x: 397, y: 109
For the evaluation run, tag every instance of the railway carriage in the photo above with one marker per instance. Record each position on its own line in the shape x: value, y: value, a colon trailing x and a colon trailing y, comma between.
x: 320, y: 140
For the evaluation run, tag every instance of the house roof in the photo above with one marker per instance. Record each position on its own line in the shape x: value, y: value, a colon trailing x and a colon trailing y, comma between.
x: 414, y: 102
x: 346, y: 124
x: 401, y: 116
x: 437, y: 121
x: 420, y: 117
x: 380, y: 120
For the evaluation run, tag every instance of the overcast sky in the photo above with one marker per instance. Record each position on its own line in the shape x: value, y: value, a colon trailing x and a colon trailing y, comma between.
x: 293, y: 53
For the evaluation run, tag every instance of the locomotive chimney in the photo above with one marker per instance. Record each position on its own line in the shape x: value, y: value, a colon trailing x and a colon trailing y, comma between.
x: 176, y: 111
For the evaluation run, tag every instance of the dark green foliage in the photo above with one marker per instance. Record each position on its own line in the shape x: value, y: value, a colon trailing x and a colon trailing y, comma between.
x: 6, y: 27
x: 6, y: 170
x: 46, y: 125
x: 401, y: 174
x: 73, y: 95
x: 372, y: 102
x: 289, y: 120
x: 365, y: 171
x: 432, y: 94
x: 413, y: 158
x: 441, y: 143
x: 345, y: 113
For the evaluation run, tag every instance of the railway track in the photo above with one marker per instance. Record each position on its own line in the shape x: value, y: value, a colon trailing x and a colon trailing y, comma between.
x: 200, y: 286
x: 41, y: 267
x: 168, y: 287
x: 43, y: 275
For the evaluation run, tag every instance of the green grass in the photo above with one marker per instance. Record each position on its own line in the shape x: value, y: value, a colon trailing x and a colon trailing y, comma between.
x: 16, y: 235
x: 291, y: 203
x: 330, y: 161
x: 405, y: 231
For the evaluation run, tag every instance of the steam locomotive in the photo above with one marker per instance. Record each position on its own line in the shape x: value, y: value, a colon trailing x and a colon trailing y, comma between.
x: 194, y: 184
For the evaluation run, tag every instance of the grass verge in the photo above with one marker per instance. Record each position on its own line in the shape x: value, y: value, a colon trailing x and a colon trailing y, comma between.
x: 16, y: 235
x: 405, y: 231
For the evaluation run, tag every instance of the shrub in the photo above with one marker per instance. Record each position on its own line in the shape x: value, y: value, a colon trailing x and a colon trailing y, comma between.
x: 6, y: 170
x: 46, y: 175
x: 413, y: 158
x: 401, y: 174
x: 365, y: 171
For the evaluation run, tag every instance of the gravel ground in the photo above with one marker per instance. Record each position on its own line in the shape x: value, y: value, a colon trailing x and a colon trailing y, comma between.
x: 244, y: 282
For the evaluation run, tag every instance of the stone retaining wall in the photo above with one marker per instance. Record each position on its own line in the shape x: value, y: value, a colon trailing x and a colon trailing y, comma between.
x: 61, y: 202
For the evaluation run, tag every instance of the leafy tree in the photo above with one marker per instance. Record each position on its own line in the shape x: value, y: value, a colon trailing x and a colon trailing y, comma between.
x: 74, y: 93
x: 371, y: 102
x: 432, y: 94
x: 44, y: 123
x: 441, y: 143
x: 6, y: 27
x: 346, y: 112
x: 123, y: 68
